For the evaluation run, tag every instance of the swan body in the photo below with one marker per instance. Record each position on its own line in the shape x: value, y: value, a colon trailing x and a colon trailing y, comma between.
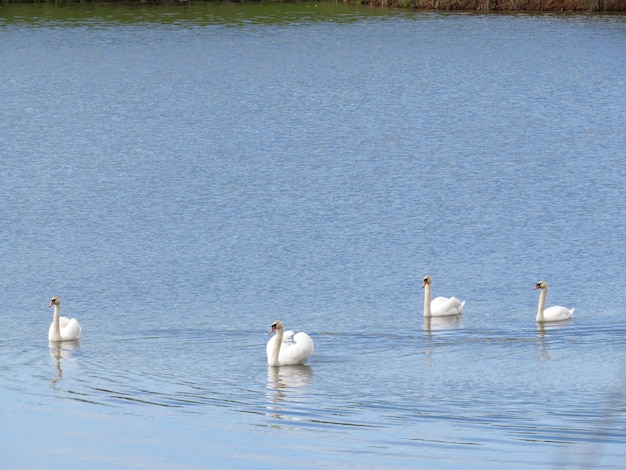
x: 287, y: 348
x: 62, y: 328
x: 439, y: 306
x: 555, y: 313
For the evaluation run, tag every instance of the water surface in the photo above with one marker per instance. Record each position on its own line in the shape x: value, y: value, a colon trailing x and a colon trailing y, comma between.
x: 182, y: 177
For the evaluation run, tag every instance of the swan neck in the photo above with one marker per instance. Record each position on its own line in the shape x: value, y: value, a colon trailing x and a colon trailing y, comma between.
x: 427, y: 296
x: 542, y: 303
x: 56, y: 317
x: 278, y: 341
x: 56, y: 324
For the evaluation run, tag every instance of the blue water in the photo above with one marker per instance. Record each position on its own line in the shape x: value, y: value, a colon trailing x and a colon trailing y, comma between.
x: 181, y: 183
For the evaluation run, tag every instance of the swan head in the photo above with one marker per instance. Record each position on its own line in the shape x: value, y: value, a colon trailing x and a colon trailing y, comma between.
x: 277, y: 325
x: 427, y: 280
x: 55, y: 301
x: 541, y: 285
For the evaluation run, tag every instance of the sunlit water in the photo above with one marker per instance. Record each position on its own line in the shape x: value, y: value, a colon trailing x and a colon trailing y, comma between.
x: 182, y: 177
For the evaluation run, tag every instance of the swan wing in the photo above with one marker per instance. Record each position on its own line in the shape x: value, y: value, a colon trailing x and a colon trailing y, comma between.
x: 557, y: 313
x: 288, y: 336
x: 444, y: 306
x: 70, y: 329
x: 297, y: 351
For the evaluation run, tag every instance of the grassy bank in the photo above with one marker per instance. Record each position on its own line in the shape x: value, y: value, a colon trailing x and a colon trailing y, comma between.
x: 505, y: 5
x: 436, y: 5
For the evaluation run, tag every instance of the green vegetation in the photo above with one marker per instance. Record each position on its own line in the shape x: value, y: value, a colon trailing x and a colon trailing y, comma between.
x: 447, y: 5
x: 231, y: 14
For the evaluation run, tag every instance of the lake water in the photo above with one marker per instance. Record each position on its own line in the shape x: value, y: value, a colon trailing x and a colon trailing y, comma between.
x: 182, y: 177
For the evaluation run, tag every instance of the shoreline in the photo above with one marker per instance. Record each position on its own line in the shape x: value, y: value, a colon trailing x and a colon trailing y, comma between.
x: 495, y: 6
x: 534, y: 6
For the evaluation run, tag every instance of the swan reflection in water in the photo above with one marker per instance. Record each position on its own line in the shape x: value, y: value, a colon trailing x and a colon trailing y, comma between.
x: 287, y: 386
x: 543, y: 351
x: 442, y: 323
x: 62, y: 351
x: 542, y: 330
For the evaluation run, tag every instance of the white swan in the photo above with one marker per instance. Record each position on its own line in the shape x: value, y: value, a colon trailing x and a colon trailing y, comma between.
x: 62, y: 328
x: 555, y: 313
x: 439, y: 306
x: 287, y: 348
